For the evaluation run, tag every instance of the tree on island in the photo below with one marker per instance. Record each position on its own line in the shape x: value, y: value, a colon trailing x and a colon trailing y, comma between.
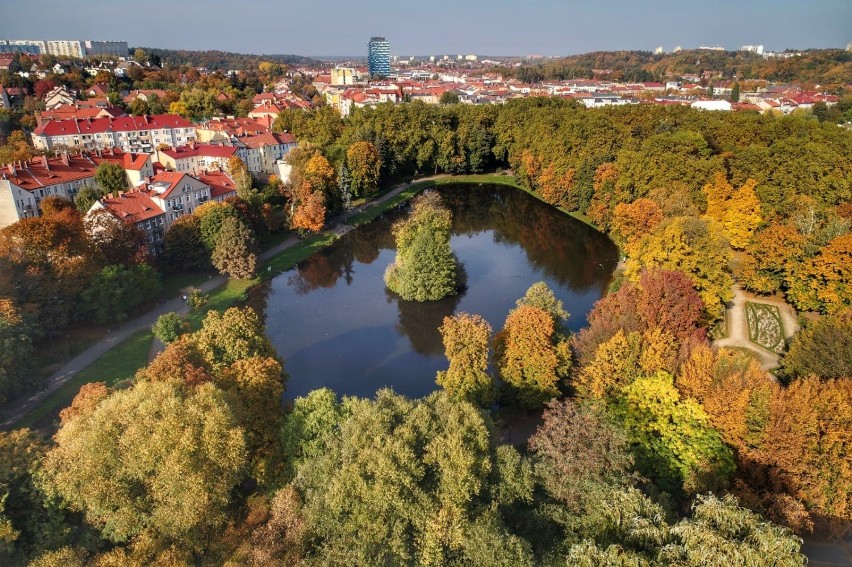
x: 425, y: 268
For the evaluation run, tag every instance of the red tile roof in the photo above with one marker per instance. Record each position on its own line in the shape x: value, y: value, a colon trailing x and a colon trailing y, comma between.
x: 268, y: 140
x: 133, y: 205
x: 121, y: 124
x: 135, y: 162
x: 221, y: 185
x: 43, y: 171
x: 207, y: 150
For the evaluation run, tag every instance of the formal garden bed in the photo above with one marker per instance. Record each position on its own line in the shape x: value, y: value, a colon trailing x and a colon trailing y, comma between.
x: 765, y: 328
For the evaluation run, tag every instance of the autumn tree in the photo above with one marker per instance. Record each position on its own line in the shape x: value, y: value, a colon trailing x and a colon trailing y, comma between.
x: 530, y: 356
x: 556, y: 186
x: 672, y: 438
x: 364, y: 163
x: 310, y: 211
x: 320, y: 175
x: 16, y: 148
x: 577, y: 453
x: 631, y: 222
x: 771, y: 258
x: 118, y: 241
x: 234, y: 253
x: 824, y: 282
x: 425, y: 267
x: 695, y: 248
x: 128, y: 467
x: 236, y: 334
x: 466, y: 341
x: 53, y: 204
x: 737, y: 211
x: 242, y: 178
x: 823, y: 348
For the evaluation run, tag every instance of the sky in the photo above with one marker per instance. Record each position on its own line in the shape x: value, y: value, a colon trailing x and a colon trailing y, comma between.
x: 435, y: 27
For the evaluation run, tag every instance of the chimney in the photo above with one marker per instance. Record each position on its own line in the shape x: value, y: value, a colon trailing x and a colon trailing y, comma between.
x: 11, y: 168
x: 65, y: 159
x: 44, y: 163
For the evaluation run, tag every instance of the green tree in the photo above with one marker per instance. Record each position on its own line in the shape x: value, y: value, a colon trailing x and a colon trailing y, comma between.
x: 735, y: 92
x: 306, y: 431
x: 673, y: 441
x: 399, y: 482
x: 234, y: 253
x: 114, y: 290
x: 152, y: 461
x: 184, y: 247
x: 449, y: 97
x: 425, y: 268
x: 86, y: 197
x: 16, y: 350
x: 466, y: 340
x: 169, y: 327
x: 111, y: 178
x: 212, y: 215
x: 539, y: 295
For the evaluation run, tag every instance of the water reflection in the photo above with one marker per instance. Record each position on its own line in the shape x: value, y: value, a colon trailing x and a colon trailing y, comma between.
x: 336, y: 325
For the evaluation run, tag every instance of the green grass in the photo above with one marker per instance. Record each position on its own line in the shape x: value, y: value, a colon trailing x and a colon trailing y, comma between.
x: 117, y: 364
x: 490, y: 178
x: 233, y: 292
x: 376, y: 210
x: 291, y: 256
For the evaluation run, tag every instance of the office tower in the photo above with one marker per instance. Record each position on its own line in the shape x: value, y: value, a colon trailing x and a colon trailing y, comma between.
x: 378, y: 57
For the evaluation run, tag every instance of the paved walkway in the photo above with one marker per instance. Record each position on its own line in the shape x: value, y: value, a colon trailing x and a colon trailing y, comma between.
x: 144, y: 322
x: 735, y: 317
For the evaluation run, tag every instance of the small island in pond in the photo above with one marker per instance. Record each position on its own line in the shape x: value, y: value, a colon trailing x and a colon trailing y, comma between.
x: 425, y: 268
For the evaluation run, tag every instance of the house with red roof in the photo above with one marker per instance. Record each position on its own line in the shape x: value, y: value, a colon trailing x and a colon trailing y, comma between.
x: 262, y: 151
x: 266, y: 113
x: 196, y: 157
x: 139, y: 208
x: 223, y: 129
x: 80, y: 112
x: 24, y: 184
x: 220, y: 183
x: 130, y: 133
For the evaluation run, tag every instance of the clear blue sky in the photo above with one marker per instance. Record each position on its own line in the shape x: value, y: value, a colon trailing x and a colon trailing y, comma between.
x: 436, y: 27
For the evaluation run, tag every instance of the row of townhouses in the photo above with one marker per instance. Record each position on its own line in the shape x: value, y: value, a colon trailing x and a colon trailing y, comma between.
x: 155, y: 199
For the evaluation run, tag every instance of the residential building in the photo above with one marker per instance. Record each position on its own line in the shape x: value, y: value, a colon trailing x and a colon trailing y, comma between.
x: 66, y: 48
x: 157, y: 203
x: 196, y: 157
x: 139, y: 208
x: 129, y: 133
x: 378, y: 57
x: 265, y: 114
x: 261, y: 152
x: 24, y: 184
x: 105, y: 48
x: 223, y: 129
x: 343, y: 76
x: 58, y: 96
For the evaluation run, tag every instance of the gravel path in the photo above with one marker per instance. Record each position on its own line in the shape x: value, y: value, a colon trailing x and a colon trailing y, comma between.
x: 23, y: 406
x: 738, y: 326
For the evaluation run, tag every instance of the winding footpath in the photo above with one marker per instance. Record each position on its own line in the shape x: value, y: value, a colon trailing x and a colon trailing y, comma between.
x: 144, y: 322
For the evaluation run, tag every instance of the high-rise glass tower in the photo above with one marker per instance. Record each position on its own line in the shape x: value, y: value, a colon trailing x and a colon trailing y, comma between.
x: 378, y: 56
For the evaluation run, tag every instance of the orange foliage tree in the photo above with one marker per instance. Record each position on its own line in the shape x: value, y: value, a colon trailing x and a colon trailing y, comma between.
x: 632, y: 221
x: 310, y: 212
x: 824, y: 282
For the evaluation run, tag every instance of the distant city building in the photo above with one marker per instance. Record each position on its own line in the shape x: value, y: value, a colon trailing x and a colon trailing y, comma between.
x: 712, y: 47
x: 677, y: 49
x: 849, y: 46
x: 378, y: 57
x: 65, y: 47
x: 658, y: 50
x: 753, y: 49
x: 343, y: 76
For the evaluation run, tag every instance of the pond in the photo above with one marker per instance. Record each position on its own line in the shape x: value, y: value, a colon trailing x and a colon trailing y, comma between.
x: 335, y: 325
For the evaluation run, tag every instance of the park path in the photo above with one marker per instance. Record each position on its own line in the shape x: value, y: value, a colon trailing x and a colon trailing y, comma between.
x: 23, y: 406
x: 737, y: 323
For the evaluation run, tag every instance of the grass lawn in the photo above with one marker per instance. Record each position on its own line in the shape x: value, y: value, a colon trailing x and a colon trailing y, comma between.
x: 117, y: 364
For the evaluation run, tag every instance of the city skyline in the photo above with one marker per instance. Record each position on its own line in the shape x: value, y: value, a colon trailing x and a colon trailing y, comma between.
x: 542, y: 27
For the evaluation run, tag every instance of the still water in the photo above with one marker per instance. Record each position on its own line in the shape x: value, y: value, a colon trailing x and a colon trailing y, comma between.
x: 335, y: 325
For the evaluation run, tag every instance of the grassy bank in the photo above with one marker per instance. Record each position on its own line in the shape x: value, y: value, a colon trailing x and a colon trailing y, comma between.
x: 117, y: 364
